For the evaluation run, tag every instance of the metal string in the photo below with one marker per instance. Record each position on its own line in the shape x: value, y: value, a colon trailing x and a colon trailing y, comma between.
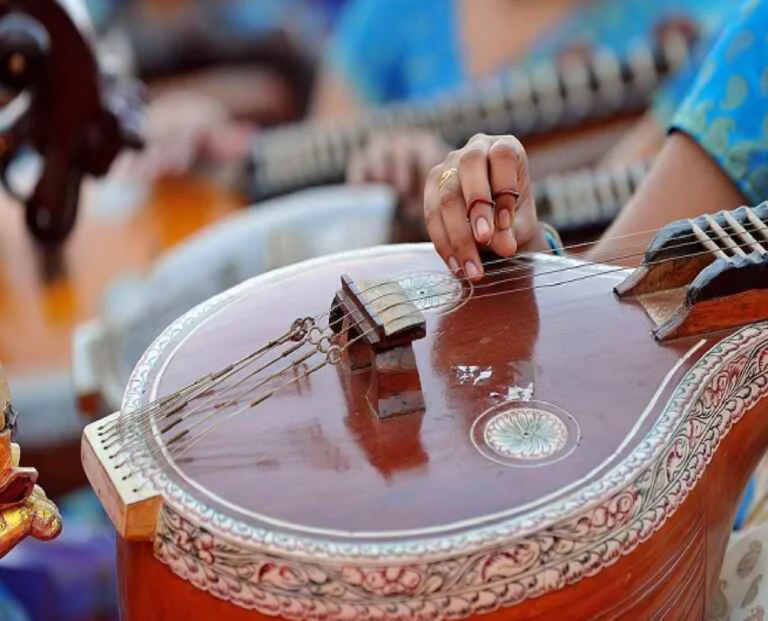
x: 212, y: 424
x: 182, y: 399
x: 179, y: 407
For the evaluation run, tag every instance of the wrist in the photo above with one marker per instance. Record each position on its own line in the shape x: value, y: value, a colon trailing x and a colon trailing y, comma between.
x: 545, y: 239
x: 553, y: 239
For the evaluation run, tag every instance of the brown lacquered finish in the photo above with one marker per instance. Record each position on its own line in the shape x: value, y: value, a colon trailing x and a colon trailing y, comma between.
x: 666, y: 578
x: 400, y: 474
x: 317, y: 459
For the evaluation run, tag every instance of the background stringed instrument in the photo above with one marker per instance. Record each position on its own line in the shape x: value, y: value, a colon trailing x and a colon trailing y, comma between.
x: 572, y: 112
x: 60, y: 104
x: 44, y: 298
x: 528, y: 447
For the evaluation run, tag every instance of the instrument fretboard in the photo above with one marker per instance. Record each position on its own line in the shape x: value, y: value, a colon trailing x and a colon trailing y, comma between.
x: 589, y: 198
x: 527, y: 102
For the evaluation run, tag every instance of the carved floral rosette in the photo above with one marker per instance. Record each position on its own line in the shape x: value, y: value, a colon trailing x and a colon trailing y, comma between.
x: 477, y: 570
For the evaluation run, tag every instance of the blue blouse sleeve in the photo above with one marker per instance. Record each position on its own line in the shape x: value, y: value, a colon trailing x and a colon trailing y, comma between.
x: 668, y: 98
x: 726, y: 110
x: 364, y: 50
x: 396, y: 50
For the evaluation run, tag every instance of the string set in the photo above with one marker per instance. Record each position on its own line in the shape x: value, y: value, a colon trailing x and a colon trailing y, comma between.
x: 124, y: 435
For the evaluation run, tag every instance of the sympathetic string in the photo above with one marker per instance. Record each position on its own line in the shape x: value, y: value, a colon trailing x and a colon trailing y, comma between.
x: 501, y: 261
x: 176, y: 404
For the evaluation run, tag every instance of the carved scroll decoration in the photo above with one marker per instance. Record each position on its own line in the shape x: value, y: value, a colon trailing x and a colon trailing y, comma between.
x: 478, y: 570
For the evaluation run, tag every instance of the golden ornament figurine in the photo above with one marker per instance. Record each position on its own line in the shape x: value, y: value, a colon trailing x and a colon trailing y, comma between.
x: 24, y: 508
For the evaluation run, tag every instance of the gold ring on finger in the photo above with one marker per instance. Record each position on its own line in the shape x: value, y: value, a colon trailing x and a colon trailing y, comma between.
x: 445, y: 176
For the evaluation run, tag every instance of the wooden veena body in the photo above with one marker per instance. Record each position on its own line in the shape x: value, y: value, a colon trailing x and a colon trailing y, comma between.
x: 566, y: 464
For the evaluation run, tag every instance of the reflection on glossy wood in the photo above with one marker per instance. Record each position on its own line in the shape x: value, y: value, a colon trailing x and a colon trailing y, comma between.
x: 312, y: 448
x: 330, y: 468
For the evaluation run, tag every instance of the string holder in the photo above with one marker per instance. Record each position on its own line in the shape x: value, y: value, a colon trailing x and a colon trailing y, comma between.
x: 705, y: 274
x: 376, y: 324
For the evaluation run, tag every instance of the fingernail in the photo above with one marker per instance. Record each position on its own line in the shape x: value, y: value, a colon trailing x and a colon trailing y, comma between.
x: 482, y: 230
x: 505, y: 219
x: 471, y: 269
x: 453, y: 264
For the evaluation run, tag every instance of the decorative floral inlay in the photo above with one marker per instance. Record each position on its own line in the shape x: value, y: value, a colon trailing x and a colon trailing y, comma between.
x: 563, y: 544
x: 526, y: 433
x: 448, y: 589
x: 560, y: 550
x: 432, y: 290
x: 451, y: 576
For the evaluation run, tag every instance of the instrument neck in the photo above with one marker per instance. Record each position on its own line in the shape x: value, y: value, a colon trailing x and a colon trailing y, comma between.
x: 524, y: 102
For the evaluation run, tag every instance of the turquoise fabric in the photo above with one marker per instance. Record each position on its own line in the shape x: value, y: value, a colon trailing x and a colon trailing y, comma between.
x: 726, y: 110
x: 399, y: 50
x: 406, y: 50
x: 667, y: 99
x: 10, y: 609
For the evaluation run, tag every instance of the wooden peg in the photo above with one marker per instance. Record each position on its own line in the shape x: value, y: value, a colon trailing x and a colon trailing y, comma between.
x: 704, y: 275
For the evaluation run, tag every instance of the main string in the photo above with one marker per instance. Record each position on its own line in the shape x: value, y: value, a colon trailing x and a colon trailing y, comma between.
x: 320, y: 365
x: 180, y: 399
x: 208, y: 382
x: 198, y: 388
x: 213, y: 420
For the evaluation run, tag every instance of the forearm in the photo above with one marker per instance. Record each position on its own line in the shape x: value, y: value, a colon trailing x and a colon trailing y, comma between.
x: 642, y: 141
x: 683, y: 183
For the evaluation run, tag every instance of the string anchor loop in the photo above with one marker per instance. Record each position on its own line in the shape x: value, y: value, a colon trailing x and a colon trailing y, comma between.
x: 316, y: 337
x: 300, y: 327
x: 333, y: 355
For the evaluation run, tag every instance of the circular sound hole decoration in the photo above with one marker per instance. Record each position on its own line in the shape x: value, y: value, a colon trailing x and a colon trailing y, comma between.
x: 525, y: 433
x: 436, y: 291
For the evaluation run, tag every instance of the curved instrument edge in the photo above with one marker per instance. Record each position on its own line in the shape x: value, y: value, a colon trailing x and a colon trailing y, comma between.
x: 133, y: 508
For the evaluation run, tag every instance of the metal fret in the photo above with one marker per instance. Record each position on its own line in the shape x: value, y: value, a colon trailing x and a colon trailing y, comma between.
x: 587, y: 198
x: 706, y: 241
x: 760, y: 226
x: 743, y: 234
x: 724, y: 237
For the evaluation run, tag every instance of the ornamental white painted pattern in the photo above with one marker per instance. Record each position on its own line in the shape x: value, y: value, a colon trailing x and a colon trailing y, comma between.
x: 483, y: 569
x: 525, y: 433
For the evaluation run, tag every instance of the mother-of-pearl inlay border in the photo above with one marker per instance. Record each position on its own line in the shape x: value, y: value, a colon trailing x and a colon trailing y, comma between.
x: 479, y: 569
x: 579, y: 542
